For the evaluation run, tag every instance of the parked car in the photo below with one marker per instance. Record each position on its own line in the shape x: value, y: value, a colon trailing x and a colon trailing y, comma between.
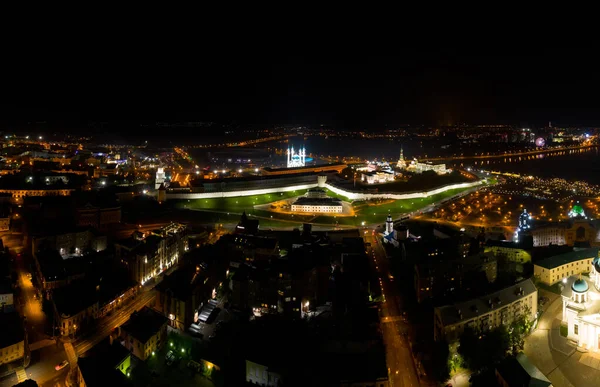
x: 170, y: 357
x: 61, y: 365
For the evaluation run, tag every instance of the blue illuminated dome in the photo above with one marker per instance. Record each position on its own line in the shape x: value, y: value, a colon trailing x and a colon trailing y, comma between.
x: 580, y: 286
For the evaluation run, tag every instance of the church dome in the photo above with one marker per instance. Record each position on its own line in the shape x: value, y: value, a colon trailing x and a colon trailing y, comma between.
x: 580, y: 286
x: 596, y: 263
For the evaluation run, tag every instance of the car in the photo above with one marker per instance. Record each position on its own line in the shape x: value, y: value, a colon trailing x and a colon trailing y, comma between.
x: 61, y: 365
x: 170, y: 357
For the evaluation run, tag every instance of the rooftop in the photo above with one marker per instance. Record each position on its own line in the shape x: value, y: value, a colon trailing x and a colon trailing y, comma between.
x: 12, y: 331
x: 559, y: 260
x: 74, y: 298
x: 144, y: 324
x: 520, y: 372
x: 465, y: 311
x: 304, y: 201
x: 96, y: 375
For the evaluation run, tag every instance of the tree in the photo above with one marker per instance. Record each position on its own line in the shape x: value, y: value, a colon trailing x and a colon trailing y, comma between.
x: 483, y: 350
x: 518, y: 330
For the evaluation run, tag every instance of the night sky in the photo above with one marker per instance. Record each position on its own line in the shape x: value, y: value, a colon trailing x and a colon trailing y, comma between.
x: 346, y: 89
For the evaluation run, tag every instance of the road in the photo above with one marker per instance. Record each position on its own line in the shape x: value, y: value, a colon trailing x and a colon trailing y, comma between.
x: 401, y: 367
x: 105, y: 325
x: 46, y: 353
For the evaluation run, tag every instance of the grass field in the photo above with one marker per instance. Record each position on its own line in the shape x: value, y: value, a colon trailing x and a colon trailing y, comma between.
x: 370, y: 212
x: 239, y: 203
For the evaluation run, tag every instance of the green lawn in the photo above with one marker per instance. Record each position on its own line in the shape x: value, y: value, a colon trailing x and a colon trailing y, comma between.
x: 239, y: 203
x: 368, y: 211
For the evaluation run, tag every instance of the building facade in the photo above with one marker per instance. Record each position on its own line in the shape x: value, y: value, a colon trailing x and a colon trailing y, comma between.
x: 261, y: 375
x: 507, y: 251
x: 69, y: 243
x: 145, y: 333
x: 146, y: 255
x: 559, y: 267
x: 377, y: 177
x: 487, y: 312
x: 12, y: 338
x: 326, y: 205
x: 581, y: 306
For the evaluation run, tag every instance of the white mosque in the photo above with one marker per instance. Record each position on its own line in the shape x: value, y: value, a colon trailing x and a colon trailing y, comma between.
x: 581, y: 308
x: 294, y: 159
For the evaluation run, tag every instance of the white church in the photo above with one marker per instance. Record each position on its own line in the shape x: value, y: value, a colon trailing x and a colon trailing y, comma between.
x: 581, y: 308
x: 392, y: 234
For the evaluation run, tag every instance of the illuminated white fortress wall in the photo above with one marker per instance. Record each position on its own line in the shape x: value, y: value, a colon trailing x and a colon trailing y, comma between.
x: 339, y: 191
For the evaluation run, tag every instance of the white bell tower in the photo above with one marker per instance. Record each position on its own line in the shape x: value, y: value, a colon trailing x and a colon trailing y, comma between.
x: 389, y: 224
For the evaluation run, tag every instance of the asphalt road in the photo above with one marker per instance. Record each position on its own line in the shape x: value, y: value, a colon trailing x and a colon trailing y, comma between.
x: 106, y: 324
x: 401, y: 367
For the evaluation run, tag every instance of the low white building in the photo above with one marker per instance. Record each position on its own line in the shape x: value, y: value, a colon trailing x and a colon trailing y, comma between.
x: 322, y: 205
x: 581, y: 308
x: 554, y: 269
x: 261, y: 375
x: 418, y: 167
x: 377, y: 177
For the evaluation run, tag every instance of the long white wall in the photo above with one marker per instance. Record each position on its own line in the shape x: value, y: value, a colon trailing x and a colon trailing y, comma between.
x: 232, y: 194
x: 412, y: 195
x: 339, y: 191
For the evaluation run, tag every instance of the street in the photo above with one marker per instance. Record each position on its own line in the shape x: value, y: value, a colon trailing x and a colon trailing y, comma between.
x: 45, y: 351
x: 105, y: 325
x: 401, y: 367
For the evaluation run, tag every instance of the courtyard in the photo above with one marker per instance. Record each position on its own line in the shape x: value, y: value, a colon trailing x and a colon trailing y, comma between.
x: 554, y: 355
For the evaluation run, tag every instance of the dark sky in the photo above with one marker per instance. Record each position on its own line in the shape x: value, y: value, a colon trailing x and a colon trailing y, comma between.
x: 72, y: 84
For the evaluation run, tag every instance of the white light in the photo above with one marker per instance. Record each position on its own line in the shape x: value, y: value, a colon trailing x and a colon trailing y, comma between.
x: 103, y: 183
x: 223, y: 171
x: 145, y: 191
x: 564, y: 280
x: 255, y: 169
x: 216, y: 171
x: 239, y: 171
x: 40, y: 137
x: 197, y: 172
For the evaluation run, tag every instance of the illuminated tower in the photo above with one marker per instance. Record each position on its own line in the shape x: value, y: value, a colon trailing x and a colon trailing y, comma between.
x: 160, y: 177
x: 401, y: 163
x: 389, y: 224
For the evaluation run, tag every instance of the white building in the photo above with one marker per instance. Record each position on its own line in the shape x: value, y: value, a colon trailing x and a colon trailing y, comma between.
x: 487, y: 312
x: 581, y: 308
x: 325, y: 205
x: 294, y: 159
x: 377, y: 177
x: 160, y: 177
x: 261, y: 375
x: 554, y: 269
x: 440, y: 169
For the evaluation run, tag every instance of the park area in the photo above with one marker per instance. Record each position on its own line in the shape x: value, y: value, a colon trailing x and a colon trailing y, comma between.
x: 228, y: 210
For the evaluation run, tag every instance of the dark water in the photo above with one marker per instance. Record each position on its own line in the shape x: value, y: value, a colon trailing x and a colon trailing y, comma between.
x: 581, y: 164
x: 365, y: 148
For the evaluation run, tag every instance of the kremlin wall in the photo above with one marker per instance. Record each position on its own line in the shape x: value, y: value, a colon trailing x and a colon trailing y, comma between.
x: 286, y: 183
